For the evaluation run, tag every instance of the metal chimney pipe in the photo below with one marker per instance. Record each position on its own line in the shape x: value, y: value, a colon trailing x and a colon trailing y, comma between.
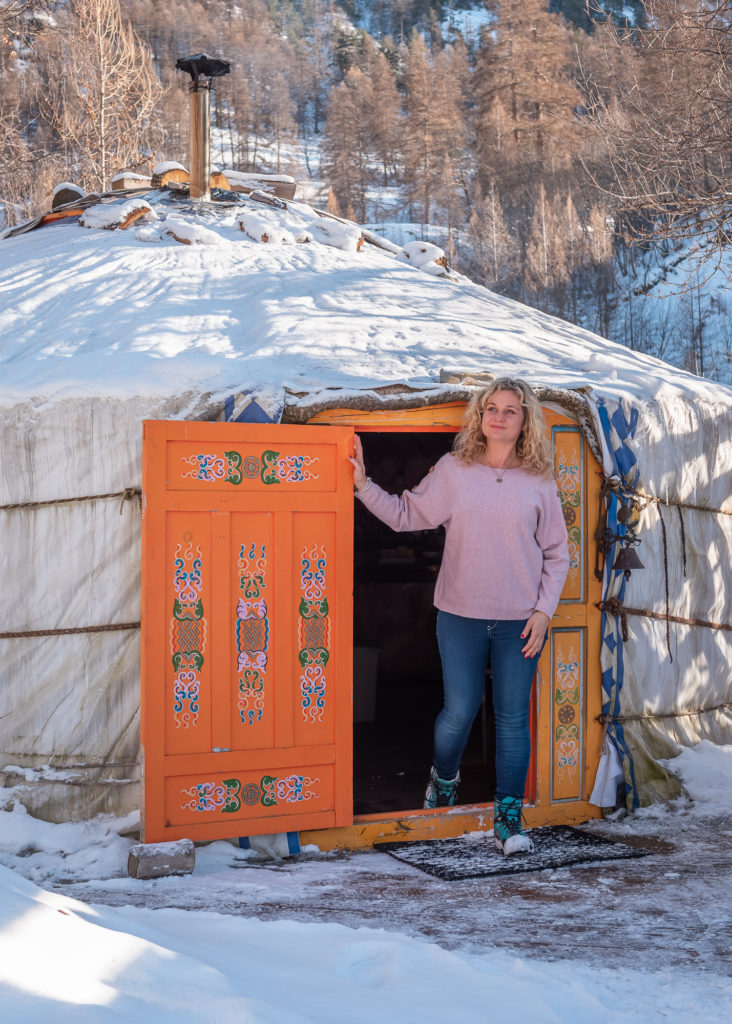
x: 199, y: 141
x: 202, y: 67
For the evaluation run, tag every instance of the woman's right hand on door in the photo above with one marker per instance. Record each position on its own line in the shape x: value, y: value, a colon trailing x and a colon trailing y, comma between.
x: 356, y: 460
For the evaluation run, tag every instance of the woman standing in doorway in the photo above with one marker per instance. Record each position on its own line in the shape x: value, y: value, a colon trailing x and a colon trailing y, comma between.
x: 502, y: 573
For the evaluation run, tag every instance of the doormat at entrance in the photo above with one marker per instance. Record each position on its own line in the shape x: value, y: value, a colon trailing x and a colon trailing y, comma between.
x: 555, y: 846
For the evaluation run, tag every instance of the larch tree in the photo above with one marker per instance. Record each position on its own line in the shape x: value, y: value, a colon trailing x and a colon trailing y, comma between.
x: 525, y: 62
x: 384, y: 114
x: 101, y: 94
x: 434, y: 130
x: 313, y: 66
x: 668, y: 131
x: 279, y: 115
x: 346, y: 144
x: 600, y: 300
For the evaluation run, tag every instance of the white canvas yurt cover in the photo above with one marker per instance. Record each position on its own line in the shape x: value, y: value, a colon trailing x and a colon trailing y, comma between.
x: 245, y: 311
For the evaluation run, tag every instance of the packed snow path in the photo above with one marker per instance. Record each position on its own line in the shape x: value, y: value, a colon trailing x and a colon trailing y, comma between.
x: 361, y: 937
x: 668, y: 910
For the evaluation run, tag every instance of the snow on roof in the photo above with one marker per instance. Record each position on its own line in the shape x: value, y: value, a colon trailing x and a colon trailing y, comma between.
x: 249, y: 177
x: 111, y: 215
x: 132, y: 176
x: 168, y: 165
x: 206, y: 307
x: 68, y: 186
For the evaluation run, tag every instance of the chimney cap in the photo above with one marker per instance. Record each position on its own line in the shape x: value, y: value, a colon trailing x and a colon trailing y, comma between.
x: 203, y: 64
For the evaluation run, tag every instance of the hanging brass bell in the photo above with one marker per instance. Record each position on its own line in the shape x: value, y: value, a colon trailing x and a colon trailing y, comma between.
x: 627, y: 559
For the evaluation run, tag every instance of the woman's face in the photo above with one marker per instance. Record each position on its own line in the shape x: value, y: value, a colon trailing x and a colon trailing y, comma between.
x: 503, y: 417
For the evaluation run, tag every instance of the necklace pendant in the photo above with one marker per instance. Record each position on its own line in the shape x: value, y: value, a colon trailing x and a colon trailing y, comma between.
x: 499, y: 479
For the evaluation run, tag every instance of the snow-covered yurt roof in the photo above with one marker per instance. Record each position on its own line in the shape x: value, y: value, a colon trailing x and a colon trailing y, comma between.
x: 195, y: 302
x: 180, y: 299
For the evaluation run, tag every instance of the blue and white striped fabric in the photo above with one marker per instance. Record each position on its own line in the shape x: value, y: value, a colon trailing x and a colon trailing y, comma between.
x: 264, y: 406
x: 618, y: 429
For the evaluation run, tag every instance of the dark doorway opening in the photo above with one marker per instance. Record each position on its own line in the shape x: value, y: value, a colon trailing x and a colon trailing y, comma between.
x: 397, y: 672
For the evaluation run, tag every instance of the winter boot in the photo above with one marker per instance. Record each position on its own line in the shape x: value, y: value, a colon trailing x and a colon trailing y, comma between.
x: 441, y: 792
x: 507, y: 829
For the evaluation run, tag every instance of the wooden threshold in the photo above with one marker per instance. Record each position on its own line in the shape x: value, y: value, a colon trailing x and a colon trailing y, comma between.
x: 445, y: 823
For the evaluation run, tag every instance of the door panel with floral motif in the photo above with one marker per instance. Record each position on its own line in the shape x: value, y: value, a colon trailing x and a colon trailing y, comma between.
x: 247, y: 590
x: 565, y: 772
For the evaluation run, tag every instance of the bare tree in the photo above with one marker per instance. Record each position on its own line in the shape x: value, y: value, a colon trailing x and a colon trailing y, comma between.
x: 546, y: 254
x: 668, y: 130
x: 494, y: 248
x: 101, y: 93
x: 26, y: 174
x: 27, y: 166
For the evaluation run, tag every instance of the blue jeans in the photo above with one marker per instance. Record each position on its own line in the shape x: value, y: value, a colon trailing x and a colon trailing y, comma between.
x: 465, y: 647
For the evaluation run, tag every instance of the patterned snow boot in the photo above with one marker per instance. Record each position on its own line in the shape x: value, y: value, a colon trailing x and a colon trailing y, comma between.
x: 441, y: 792
x: 508, y: 832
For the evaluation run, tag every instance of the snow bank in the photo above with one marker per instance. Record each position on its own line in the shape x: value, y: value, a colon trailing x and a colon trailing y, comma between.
x: 706, y: 775
x: 62, y: 959
x: 45, y: 852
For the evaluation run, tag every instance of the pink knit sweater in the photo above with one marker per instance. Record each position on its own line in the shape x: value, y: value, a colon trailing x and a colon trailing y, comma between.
x: 506, y: 552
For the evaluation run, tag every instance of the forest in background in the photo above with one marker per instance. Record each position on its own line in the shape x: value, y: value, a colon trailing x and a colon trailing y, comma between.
x: 572, y: 155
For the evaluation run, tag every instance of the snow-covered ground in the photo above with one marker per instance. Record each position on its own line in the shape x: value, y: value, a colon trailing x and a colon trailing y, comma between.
x: 361, y: 937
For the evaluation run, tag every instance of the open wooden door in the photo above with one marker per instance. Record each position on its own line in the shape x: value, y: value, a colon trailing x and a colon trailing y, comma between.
x: 246, y: 629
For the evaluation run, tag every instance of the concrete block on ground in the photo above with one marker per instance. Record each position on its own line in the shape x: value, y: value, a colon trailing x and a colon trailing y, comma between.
x: 154, y: 860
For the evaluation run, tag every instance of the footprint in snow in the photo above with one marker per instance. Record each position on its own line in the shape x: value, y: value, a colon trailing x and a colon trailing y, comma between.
x: 371, y: 964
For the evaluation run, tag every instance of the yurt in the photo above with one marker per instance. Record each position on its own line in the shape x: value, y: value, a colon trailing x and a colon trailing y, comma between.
x: 196, y: 622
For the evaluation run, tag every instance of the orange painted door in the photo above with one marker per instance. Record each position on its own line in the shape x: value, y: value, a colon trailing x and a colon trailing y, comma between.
x: 247, y: 629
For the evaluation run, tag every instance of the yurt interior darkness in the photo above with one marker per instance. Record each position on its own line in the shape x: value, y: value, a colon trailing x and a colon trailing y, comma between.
x: 397, y: 674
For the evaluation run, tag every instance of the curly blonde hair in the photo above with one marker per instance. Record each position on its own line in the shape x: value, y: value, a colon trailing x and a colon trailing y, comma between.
x: 532, y: 447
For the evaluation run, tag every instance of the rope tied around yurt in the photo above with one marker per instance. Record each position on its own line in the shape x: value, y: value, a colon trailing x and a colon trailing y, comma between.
x: 617, y: 486
x: 647, y: 715
x: 108, y: 627
x: 614, y: 606
x: 605, y: 537
x: 650, y: 499
x: 129, y: 494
